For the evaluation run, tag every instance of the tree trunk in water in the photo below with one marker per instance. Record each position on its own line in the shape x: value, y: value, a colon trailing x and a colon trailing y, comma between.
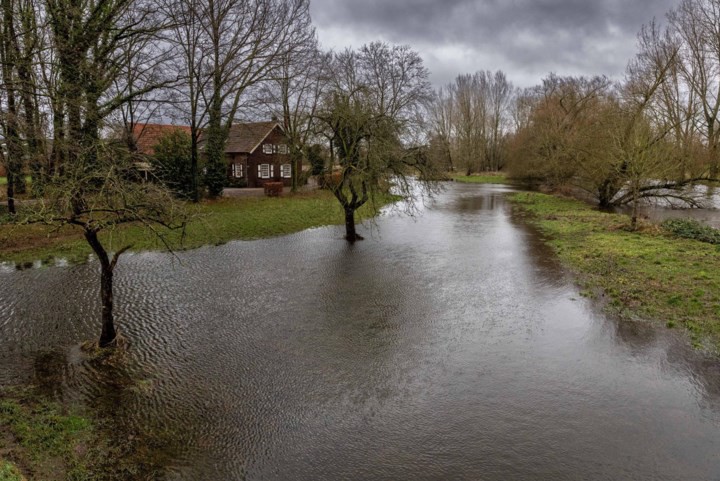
x: 108, y: 333
x: 350, y: 233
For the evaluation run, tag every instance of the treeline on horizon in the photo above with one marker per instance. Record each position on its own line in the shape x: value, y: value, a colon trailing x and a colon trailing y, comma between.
x: 649, y: 135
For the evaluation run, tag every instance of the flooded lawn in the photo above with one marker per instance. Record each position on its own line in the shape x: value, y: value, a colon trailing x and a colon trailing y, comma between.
x: 450, y: 346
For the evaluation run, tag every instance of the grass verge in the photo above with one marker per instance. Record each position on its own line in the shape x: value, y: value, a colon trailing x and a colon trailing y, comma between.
x: 214, y: 223
x: 42, y: 440
x: 648, y: 274
x: 488, y: 178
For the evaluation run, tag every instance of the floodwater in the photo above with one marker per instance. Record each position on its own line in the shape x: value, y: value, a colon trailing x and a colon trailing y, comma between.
x: 660, y: 209
x: 450, y: 346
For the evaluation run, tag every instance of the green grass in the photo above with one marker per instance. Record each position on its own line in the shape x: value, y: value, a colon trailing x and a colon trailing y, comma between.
x: 489, y: 178
x: 45, y: 440
x: 9, y: 472
x: 43, y: 436
x: 650, y: 274
x: 213, y: 223
x: 3, y: 181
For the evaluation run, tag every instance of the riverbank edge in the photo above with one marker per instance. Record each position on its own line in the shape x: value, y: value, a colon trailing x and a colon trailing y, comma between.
x: 43, y: 438
x: 485, y: 178
x: 40, y: 439
x: 213, y: 223
x: 647, y: 275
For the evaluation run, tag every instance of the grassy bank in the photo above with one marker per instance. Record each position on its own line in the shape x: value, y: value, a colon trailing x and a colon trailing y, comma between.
x: 213, y: 223
x: 649, y: 274
x: 43, y: 440
x: 487, y: 178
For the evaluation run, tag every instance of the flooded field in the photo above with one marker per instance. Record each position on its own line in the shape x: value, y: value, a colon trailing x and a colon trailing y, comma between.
x: 450, y: 346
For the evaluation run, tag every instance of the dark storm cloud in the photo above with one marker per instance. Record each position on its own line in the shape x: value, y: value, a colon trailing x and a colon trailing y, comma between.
x: 525, y: 38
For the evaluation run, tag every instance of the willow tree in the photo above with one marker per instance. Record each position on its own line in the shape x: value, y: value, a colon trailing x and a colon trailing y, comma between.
x: 369, y: 113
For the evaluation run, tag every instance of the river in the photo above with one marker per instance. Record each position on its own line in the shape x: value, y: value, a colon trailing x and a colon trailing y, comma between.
x: 447, y: 346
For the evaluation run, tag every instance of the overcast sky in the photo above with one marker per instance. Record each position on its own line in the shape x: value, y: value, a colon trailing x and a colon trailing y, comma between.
x: 526, y: 39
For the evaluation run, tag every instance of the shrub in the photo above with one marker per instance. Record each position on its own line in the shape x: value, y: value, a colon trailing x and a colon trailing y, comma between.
x: 692, y: 229
x: 273, y: 189
x: 316, y: 159
x: 235, y: 182
x: 171, y: 162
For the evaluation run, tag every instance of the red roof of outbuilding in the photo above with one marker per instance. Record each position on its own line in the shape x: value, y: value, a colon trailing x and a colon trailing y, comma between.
x: 148, y: 135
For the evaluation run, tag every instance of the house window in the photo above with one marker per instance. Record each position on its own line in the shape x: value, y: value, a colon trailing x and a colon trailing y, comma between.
x: 264, y: 171
x: 267, y: 148
x: 286, y: 171
x: 237, y: 170
x: 282, y: 149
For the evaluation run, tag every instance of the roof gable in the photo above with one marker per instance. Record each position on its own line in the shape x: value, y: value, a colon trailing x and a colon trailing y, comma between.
x: 246, y: 137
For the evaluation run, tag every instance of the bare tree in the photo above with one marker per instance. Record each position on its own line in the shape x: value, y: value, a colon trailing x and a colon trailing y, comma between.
x: 102, y: 199
x: 440, y: 112
x: 471, y: 116
x: 367, y: 112
x: 696, y: 24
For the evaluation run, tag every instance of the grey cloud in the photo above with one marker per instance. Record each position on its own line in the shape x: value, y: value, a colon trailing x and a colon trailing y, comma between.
x: 528, y: 38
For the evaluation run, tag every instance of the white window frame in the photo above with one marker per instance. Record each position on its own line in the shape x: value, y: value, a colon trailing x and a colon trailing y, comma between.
x: 264, y: 171
x: 286, y: 171
x: 238, y: 170
x: 268, y: 148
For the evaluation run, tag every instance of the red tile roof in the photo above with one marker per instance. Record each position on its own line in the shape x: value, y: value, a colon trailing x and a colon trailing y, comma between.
x: 148, y: 135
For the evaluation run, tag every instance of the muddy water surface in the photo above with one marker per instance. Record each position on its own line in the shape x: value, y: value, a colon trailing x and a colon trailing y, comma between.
x: 451, y: 346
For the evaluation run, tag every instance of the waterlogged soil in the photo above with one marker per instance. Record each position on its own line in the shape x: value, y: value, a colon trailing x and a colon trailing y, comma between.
x: 448, y: 346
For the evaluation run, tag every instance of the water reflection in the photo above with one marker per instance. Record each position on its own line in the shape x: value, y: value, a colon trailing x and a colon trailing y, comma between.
x: 658, y: 210
x: 450, y: 346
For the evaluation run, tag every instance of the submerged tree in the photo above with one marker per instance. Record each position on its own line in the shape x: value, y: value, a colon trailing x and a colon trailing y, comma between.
x: 100, y: 198
x: 369, y: 114
x: 74, y: 57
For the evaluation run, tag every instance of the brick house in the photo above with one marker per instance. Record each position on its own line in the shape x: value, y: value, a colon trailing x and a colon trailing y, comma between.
x: 258, y: 152
x: 255, y: 152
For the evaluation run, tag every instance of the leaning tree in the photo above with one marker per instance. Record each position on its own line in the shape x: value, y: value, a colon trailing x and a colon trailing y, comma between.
x: 370, y: 113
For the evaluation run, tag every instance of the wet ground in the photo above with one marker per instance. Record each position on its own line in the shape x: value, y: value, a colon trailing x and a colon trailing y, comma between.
x: 450, y: 346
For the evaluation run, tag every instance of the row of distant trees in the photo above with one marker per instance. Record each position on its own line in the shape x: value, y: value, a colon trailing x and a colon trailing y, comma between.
x: 650, y: 134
